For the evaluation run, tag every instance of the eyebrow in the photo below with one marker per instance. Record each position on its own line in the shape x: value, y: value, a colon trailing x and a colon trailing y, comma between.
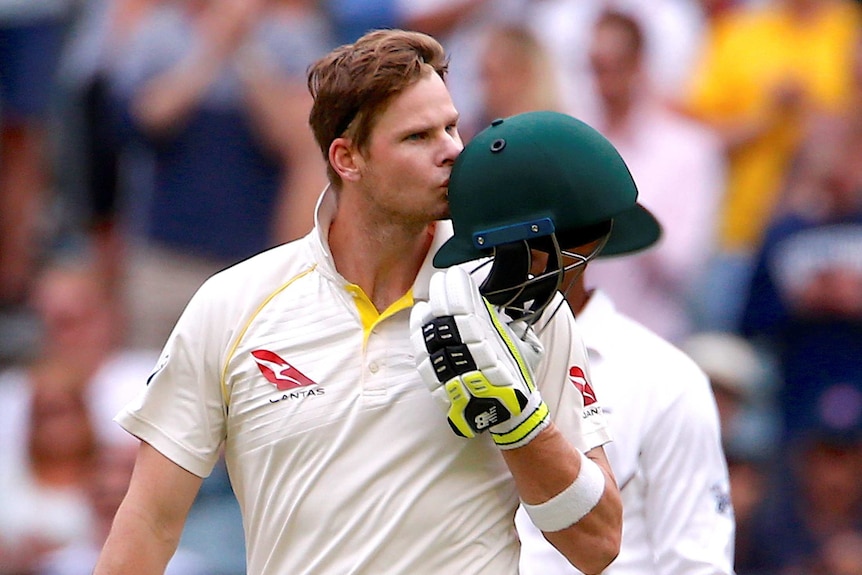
x: 423, y: 126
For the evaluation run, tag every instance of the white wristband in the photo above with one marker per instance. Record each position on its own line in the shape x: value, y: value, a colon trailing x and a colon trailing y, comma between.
x: 573, y: 503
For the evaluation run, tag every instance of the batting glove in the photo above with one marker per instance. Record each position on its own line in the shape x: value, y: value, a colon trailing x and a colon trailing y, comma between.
x: 476, y: 365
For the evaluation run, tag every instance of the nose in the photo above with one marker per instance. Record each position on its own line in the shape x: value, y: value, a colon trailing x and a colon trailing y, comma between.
x: 454, y: 145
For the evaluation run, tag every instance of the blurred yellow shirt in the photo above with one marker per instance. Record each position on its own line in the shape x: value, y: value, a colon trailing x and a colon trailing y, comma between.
x: 748, y: 55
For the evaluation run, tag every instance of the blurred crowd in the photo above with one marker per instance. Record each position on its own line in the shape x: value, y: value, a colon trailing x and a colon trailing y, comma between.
x: 147, y: 144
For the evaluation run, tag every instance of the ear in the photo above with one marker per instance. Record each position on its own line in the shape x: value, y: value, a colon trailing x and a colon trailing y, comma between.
x: 345, y: 159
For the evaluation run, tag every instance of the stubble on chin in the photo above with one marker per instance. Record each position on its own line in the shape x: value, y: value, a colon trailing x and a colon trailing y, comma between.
x: 445, y: 213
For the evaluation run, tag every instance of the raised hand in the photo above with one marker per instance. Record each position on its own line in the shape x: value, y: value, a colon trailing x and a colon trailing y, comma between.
x: 476, y: 365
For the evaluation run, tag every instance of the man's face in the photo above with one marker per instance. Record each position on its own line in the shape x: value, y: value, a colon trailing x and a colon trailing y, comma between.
x: 506, y: 76
x: 414, y: 142
x: 614, y: 63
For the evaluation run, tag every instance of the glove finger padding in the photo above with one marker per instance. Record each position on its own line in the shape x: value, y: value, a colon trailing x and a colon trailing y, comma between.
x: 475, y: 364
x: 421, y: 315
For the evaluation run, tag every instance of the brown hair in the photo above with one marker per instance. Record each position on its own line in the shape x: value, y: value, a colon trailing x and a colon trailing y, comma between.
x: 354, y: 82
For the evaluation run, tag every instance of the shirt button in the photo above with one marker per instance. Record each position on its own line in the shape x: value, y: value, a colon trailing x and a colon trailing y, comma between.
x: 373, y: 367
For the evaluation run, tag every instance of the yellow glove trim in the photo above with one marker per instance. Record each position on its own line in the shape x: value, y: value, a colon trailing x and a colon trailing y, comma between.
x: 511, y: 345
x: 527, y: 429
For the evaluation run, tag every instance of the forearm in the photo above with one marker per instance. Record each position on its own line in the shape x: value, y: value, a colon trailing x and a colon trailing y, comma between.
x: 280, y: 111
x: 546, y: 467
x: 278, y: 106
x: 297, y: 197
x: 135, y: 547
x: 149, y: 522
x: 167, y: 100
x: 442, y: 20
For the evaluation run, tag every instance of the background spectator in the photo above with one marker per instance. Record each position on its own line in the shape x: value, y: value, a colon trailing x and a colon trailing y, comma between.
x: 841, y: 555
x: 515, y: 75
x: 93, y: 172
x: 215, y: 91
x: 56, y: 428
x: 31, y: 39
x: 761, y: 75
x: 459, y: 25
x: 672, y: 31
x: 805, y: 299
x: 352, y: 18
x: 49, y: 434
x: 815, y: 495
x: 679, y: 171
x: 106, y: 486
x: 48, y: 448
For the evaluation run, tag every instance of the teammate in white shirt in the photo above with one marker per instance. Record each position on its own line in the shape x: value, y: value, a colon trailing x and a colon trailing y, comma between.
x: 311, y: 367
x: 666, y: 454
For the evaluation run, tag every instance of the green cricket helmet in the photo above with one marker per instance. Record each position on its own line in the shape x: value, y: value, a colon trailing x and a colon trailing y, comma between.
x: 540, y: 180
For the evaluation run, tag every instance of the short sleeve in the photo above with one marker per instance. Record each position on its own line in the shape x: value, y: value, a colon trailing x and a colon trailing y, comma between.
x: 181, y: 412
x: 565, y: 381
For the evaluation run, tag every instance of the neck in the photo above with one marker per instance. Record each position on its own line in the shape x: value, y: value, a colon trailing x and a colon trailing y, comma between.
x: 616, y: 114
x: 381, y: 259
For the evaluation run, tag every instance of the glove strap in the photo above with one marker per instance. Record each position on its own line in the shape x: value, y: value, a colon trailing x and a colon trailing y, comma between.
x: 521, y: 431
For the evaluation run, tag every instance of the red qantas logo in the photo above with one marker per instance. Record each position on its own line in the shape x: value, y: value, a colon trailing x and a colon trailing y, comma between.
x: 278, y: 372
x: 576, y: 375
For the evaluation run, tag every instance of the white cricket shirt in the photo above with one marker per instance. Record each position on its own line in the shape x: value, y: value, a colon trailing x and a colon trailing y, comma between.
x: 666, y: 455
x: 341, y: 460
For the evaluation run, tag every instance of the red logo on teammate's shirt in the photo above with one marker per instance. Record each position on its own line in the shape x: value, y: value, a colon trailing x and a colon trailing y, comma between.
x: 576, y: 375
x: 279, y: 372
